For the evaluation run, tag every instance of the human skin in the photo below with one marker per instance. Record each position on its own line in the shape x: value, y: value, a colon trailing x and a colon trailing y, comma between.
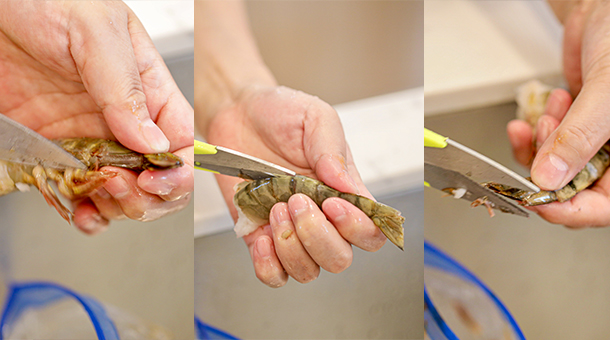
x: 575, y: 124
x: 89, y: 69
x: 239, y: 105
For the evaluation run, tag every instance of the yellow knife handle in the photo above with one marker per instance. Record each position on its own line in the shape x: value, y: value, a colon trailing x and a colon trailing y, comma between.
x: 434, y: 140
x: 202, y: 148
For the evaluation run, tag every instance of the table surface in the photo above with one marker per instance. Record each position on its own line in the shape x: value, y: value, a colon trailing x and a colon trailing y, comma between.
x: 478, y: 52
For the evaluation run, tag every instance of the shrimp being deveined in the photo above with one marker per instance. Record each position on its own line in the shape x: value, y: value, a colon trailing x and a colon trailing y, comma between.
x: 531, y: 99
x: 76, y: 183
x: 594, y: 170
x: 254, y: 200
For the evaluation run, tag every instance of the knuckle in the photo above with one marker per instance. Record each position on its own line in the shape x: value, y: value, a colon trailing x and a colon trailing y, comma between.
x: 576, y: 137
x: 129, y: 96
x: 599, y: 67
x: 132, y: 94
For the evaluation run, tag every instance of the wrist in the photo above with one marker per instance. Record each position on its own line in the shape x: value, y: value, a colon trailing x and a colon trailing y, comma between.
x: 220, y: 85
x: 227, y: 59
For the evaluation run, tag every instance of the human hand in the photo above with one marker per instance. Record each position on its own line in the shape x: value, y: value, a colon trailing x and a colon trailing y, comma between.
x: 303, y: 133
x: 571, y: 132
x: 89, y: 69
x: 590, y: 207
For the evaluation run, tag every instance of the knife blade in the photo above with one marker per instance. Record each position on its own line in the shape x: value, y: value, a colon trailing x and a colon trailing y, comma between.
x: 441, y: 178
x: 234, y: 163
x: 20, y: 144
x: 454, y: 156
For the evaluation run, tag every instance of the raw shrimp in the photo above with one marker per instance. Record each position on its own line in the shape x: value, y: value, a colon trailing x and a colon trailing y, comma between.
x: 76, y: 183
x: 254, y: 200
x: 532, y: 98
x: 594, y: 169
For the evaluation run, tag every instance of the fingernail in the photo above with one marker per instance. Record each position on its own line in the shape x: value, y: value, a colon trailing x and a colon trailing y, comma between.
x: 263, y: 248
x: 335, y: 211
x: 338, y: 164
x: 117, y: 187
x: 160, y: 183
x: 351, y: 180
x: 552, y: 104
x: 184, y: 196
x: 95, y: 225
x: 299, y: 204
x: 279, y: 215
x: 542, y: 132
x: 550, y: 172
x: 162, y: 188
x: 154, y: 136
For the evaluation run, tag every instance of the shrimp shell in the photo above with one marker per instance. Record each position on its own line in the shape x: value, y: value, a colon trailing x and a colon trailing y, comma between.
x: 96, y: 153
x: 254, y: 200
x: 592, y: 171
x: 77, y: 183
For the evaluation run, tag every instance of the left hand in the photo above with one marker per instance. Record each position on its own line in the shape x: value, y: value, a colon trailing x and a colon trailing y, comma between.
x: 590, y: 207
x: 303, y: 133
x: 89, y: 69
x: 571, y: 132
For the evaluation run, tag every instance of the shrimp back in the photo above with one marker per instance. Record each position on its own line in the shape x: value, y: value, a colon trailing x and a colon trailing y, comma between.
x: 254, y: 200
x: 96, y: 153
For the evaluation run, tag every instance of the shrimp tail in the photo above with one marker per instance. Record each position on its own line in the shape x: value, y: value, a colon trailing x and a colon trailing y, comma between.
x: 391, y: 227
x: 386, y: 218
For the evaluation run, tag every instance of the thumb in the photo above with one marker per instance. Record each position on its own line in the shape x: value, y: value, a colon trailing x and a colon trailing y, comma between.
x: 325, y: 147
x: 102, y: 50
x: 583, y: 131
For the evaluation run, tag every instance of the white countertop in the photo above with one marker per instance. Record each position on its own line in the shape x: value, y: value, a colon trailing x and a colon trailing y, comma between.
x: 169, y: 23
x: 478, y: 52
x: 384, y: 134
